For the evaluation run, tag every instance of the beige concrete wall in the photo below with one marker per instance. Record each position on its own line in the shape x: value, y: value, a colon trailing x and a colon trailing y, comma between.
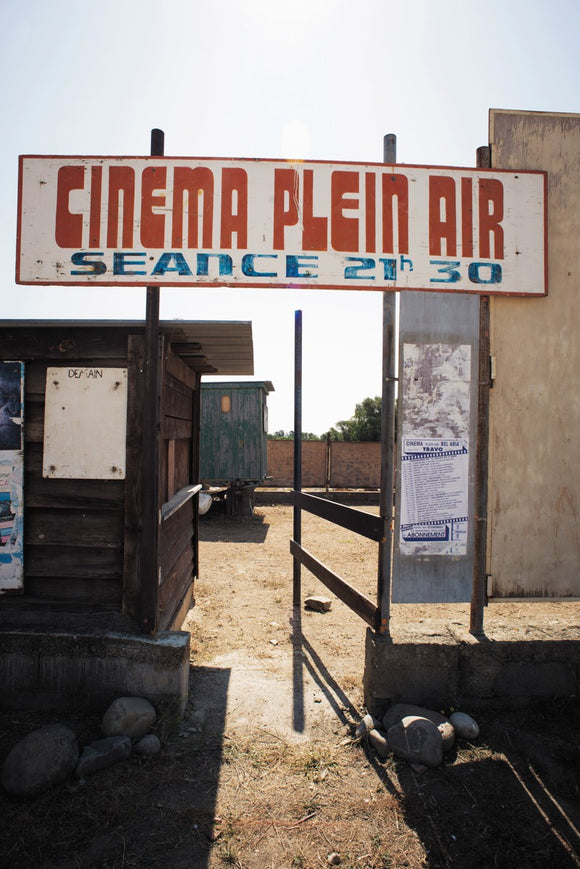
x: 534, y: 492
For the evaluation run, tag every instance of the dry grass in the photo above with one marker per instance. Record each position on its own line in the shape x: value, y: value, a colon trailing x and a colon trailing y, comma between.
x: 253, y: 799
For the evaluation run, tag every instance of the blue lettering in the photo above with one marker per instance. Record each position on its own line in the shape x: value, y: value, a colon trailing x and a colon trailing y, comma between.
x: 89, y: 267
x: 225, y: 264
x: 448, y: 268
x: 249, y: 269
x: 364, y: 264
x: 163, y: 264
x: 294, y: 264
x: 120, y: 264
x: 495, y: 273
x: 390, y: 270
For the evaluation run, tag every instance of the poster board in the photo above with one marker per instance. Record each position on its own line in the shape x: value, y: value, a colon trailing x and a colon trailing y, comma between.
x: 11, y: 477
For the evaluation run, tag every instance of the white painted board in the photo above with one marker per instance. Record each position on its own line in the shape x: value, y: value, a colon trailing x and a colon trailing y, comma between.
x: 85, y: 423
x: 259, y: 223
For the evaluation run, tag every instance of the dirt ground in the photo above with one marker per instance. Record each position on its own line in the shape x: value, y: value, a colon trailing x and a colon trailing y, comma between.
x: 263, y: 772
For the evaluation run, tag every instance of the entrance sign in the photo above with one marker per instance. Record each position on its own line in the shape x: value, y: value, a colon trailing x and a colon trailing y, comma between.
x: 266, y: 223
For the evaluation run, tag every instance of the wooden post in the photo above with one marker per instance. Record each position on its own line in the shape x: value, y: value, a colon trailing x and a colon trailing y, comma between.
x: 385, y: 565
x: 151, y: 435
x: 478, y: 596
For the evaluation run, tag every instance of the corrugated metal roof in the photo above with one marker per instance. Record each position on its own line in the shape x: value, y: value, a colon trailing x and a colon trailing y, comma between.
x: 222, y: 347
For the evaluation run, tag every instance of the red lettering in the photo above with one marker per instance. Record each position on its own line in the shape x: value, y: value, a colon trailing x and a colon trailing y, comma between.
x: 442, y: 227
x: 234, y: 181
x: 68, y: 230
x: 344, y: 230
x: 466, y: 217
x: 314, y: 229
x: 370, y: 212
x: 285, y: 204
x: 189, y: 185
x: 395, y: 186
x: 490, y: 194
x: 121, y: 199
x: 153, y: 224
x: 95, y: 212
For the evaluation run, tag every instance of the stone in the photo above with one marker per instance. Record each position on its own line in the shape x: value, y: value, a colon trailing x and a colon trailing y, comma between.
x: 102, y: 754
x: 148, y: 746
x: 397, y: 712
x: 378, y: 740
x: 129, y: 716
x: 318, y: 602
x: 333, y: 859
x: 416, y: 740
x: 464, y: 725
x: 365, y: 725
x: 44, y: 758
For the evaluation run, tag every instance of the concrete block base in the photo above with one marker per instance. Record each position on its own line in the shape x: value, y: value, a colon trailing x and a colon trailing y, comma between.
x: 67, y: 670
x: 439, y: 670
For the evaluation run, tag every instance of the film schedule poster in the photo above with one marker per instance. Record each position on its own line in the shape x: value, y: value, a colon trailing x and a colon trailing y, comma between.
x: 435, y: 450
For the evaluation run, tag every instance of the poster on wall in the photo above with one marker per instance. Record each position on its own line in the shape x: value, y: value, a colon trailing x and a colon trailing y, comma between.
x: 11, y: 474
x: 435, y: 450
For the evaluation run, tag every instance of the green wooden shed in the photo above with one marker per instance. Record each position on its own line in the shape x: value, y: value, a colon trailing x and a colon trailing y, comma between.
x: 234, y: 430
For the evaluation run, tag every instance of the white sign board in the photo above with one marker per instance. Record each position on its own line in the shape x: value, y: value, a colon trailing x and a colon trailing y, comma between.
x: 85, y: 423
x: 264, y: 223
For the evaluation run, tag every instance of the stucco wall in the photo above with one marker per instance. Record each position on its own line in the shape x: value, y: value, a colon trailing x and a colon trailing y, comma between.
x: 352, y: 465
x: 534, y: 492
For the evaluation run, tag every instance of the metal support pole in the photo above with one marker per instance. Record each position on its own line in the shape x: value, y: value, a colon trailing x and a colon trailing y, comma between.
x: 478, y: 596
x: 151, y: 432
x: 385, y: 566
x: 297, y: 531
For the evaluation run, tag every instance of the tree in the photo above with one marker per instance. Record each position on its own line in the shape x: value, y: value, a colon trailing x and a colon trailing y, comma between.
x: 364, y: 425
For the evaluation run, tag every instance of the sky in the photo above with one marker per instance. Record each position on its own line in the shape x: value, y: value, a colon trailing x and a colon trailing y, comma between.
x: 310, y: 79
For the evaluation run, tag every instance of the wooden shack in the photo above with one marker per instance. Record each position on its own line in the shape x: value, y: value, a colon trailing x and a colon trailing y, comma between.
x: 234, y: 431
x: 87, y: 565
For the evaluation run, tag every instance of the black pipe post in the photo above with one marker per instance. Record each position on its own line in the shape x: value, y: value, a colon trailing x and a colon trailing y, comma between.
x: 151, y: 434
x: 297, y: 530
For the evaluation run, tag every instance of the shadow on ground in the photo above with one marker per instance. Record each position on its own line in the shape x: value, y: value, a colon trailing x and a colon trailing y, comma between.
x: 147, y: 812
x: 220, y: 528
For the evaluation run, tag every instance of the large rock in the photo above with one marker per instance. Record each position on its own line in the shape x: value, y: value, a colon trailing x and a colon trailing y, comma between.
x: 397, y: 712
x: 416, y: 740
x: 46, y: 757
x: 103, y: 753
x: 465, y: 726
x: 129, y: 716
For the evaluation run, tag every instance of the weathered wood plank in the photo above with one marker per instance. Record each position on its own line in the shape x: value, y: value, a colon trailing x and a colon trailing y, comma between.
x: 84, y: 528
x: 176, y: 429
x: 178, y: 369
x: 355, y: 520
x: 82, y: 591
x: 176, y: 582
x: 63, y: 343
x: 177, y: 402
x: 176, y: 530
x: 133, y: 491
x: 355, y: 600
x: 73, y: 562
x: 78, y: 494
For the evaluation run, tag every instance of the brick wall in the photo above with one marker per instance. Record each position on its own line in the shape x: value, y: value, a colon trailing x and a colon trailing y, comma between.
x: 352, y: 466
